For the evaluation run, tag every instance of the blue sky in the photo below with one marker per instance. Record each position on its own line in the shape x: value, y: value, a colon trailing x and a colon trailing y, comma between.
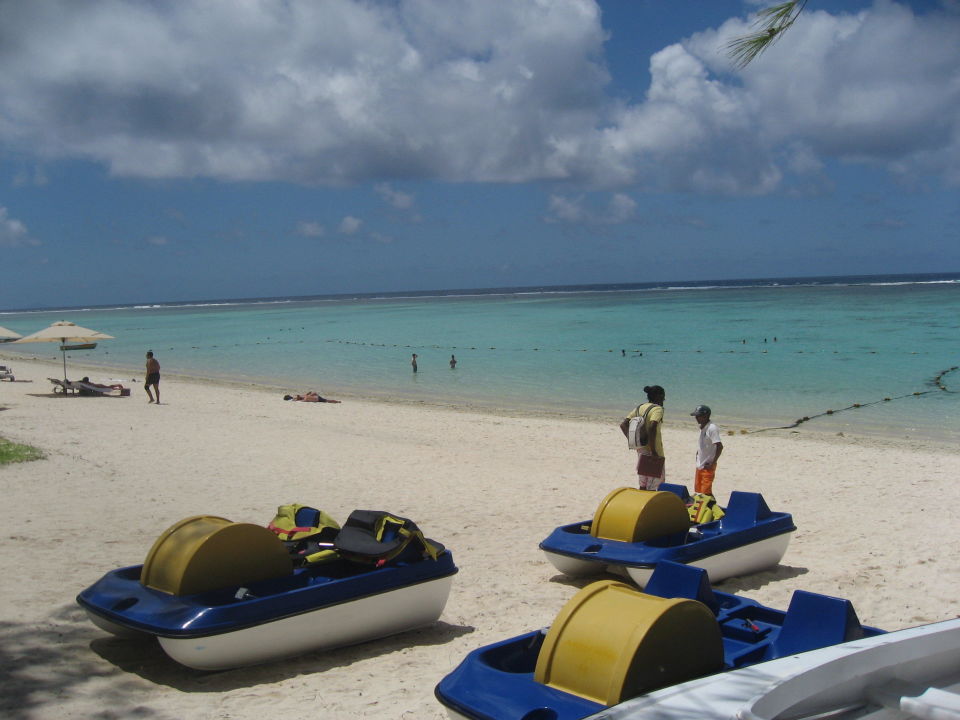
x: 209, y: 149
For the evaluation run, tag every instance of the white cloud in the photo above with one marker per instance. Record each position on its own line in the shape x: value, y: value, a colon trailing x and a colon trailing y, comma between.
x: 622, y: 208
x: 13, y: 233
x: 575, y: 210
x: 467, y: 91
x: 310, y: 229
x: 350, y: 225
x: 330, y: 92
x: 802, y: 160
x: 878, y: 86
x: 157, y: 240
x: 849, y: 87
x: 399, y: 200
x: 565, y: 209
x: 35, y: 177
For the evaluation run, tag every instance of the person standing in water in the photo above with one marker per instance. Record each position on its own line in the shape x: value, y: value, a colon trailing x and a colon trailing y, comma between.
x: 413, y: 362
x: 453, y: 362
x: 153, y: 378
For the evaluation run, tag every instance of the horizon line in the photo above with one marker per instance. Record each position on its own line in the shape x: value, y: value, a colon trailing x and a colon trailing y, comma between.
x: 728, y: 283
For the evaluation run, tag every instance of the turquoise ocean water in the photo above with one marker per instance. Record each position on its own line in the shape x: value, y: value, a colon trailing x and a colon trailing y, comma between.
x: 762, y: 353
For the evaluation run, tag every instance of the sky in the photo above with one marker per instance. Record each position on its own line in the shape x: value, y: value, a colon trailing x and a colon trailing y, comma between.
x: 207, y: 149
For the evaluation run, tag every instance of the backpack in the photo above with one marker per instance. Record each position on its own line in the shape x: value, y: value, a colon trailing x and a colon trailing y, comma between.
x: 637, y: 433
x: 307, y: 533
x: 374, y: 537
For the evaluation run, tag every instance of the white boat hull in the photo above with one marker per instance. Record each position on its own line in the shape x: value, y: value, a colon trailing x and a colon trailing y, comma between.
x: 912, y: 673
x: 741, y: 560
x: 347, y: 623
x: 575, y: 567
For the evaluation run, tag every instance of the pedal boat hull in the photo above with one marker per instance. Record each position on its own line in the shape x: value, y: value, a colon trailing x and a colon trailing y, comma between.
x: 315, y: 608
x: 748, y: 539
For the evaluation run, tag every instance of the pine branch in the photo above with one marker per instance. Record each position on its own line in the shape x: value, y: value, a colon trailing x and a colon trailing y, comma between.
x: 770, y: 24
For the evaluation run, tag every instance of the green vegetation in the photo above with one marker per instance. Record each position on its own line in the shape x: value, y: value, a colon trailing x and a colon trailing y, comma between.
x: 771, y: 23
x: 11, y: 452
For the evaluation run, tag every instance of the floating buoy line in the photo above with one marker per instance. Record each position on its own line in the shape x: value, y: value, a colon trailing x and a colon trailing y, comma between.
x: 937, y: 384
x: 633, y: 352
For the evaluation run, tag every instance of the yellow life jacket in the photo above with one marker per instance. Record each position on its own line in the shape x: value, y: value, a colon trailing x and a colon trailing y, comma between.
x: 307, y: 532
x: 704, y: 509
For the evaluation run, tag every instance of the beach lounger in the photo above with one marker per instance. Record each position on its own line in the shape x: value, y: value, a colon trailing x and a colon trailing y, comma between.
x: 6, y: 373
x: 90, y: 389
x: 64, y: 387
x: 69, y: 387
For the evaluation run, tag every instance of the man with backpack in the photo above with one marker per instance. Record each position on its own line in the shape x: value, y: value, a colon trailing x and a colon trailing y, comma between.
x: 642, y: 430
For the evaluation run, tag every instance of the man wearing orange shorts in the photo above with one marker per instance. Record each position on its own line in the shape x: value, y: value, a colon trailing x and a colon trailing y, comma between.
x: 708, y: 451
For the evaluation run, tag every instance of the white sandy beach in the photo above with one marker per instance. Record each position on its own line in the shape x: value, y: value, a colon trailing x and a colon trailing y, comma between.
x: 876, y: 521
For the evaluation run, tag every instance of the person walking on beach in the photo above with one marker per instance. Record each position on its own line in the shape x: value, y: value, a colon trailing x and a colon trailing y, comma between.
x: 153, y: 378
x: 413, y: 362
x: 708, y: 451
x: 650, y: 458
x: 453, y: 362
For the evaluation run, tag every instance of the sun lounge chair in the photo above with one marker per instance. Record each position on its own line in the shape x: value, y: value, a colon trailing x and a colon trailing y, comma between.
x: 64, y: 387
x: 6, y: 373
x: 88, y: 389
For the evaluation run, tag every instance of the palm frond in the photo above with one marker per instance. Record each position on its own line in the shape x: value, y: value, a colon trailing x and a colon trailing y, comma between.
x: 770, y: 24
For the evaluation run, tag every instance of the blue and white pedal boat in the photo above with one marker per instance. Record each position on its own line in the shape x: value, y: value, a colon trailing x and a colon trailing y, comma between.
x: 633, y: 530
x: 611, y: 643
x: 220, y: 595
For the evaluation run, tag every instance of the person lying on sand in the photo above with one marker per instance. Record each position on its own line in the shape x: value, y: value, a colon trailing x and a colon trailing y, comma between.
x: 309, y: 397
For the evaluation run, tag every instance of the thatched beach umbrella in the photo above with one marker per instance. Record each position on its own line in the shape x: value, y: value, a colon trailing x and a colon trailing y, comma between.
x: 4, y: 333
x: 65, y: 332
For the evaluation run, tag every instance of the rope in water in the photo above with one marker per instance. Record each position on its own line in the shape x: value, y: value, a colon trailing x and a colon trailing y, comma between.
x: 634, y: 353
x: 936, y: 382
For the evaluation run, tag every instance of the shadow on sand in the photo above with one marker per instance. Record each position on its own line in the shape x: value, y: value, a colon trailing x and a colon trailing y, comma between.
x: 45, y: 665
x: 59, y: 396
x: 748, y: 583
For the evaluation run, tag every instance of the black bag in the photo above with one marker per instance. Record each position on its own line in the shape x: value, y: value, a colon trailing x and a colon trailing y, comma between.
x: 376, y: 537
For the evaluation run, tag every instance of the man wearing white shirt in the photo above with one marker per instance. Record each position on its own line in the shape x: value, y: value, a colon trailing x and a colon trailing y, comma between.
x: 708, y: 451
